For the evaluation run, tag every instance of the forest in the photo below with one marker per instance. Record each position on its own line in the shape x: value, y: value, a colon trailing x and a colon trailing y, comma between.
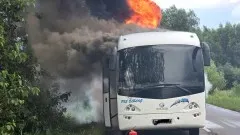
x: 29, y: 105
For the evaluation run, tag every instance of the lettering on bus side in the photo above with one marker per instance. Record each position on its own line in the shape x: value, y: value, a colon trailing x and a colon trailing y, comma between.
x: 124, y: 101
x: 132, y: 100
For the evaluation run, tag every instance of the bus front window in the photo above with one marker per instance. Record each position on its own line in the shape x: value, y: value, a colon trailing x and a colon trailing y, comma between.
x: 140, y: 67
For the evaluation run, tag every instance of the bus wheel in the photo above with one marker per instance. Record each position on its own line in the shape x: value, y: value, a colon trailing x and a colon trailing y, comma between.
x: 124, y: 132
x: 194, y: 131
x: 114, y: 132
x: 107, y: 132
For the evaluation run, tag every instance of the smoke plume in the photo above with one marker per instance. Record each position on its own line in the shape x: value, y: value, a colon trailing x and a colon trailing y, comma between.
x: 69, y: 38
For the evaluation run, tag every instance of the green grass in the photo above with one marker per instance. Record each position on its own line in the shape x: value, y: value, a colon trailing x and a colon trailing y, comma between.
x: 88, y: 129
x: 227, y: 99
x: 81, y: 130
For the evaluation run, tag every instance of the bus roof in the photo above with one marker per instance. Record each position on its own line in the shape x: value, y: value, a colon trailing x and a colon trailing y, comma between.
x: 158, y: 38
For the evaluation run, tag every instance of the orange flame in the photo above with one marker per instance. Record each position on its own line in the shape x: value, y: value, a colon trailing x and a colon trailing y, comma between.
x: 146, y: 13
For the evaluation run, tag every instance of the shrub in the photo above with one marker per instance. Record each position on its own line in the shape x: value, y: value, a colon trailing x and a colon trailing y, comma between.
x: 215, y: 77
x: 231, y: 74
x: 236, y: 89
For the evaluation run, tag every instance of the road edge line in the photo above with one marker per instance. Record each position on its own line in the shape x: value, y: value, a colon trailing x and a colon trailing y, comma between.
x: 206, y: 129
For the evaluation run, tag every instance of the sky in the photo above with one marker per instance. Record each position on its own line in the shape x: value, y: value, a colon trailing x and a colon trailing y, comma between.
x: 210, y: 12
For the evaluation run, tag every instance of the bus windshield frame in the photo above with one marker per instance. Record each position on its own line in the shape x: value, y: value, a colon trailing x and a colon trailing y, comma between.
x: 151, y: 67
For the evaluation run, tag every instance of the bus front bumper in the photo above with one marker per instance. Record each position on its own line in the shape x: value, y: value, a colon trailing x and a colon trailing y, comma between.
x: 161, y: 121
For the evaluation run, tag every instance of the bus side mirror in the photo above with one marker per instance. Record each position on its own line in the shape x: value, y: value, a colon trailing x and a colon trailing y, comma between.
x: 112, y: 62
x: 206, y: 54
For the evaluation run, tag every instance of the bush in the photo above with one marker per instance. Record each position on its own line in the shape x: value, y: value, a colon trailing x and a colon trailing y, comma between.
x: 236, y: 89
x: 215, y: 77
x: 231, y: 74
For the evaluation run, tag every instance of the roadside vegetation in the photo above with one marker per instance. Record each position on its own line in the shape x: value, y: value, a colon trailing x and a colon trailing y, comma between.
x: 226, y: 99
x: 222, y: 94
x: 87, y: 129
x: 30, y: 101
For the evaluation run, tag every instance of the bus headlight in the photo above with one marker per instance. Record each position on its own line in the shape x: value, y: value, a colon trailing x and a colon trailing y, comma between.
x: 132, y: 108
x: 192, y: 105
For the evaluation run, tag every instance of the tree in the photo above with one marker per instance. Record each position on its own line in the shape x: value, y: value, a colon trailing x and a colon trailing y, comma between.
x: 179, y: 19
x: 224, y: 43
x: 23, y: 107
x: 17, y: 72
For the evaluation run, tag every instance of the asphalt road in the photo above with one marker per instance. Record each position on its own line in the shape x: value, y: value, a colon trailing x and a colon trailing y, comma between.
x: 202, y: 132
x: 222, y: 121
x: 219, y: 122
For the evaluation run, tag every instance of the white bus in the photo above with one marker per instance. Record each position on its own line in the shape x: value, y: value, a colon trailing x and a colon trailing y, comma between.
x: 155, y: 80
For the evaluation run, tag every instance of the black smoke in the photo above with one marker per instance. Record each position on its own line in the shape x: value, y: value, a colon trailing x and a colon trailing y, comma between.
x: 66, y: 9
x: 70, y: 38
x: 105, y: 9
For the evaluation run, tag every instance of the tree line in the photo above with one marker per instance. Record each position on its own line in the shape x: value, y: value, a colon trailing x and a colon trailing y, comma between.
x: 224, y: 42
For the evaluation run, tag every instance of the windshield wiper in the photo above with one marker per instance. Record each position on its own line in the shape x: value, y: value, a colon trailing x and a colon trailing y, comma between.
x: 159, y: 86
x: 184, y: 89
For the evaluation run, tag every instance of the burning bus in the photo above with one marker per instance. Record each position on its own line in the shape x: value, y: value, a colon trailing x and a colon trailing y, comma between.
x: 155, y: 80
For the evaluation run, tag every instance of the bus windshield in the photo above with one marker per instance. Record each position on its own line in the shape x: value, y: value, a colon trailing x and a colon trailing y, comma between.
x: 152, y: 67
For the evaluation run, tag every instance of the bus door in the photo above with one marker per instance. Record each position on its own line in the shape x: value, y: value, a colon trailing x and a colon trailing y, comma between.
x: 109, y: 92
x: 106, y: 92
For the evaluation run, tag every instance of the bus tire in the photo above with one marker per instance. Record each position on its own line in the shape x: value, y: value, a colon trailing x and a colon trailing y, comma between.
x: 194, y: 131
x: 109, y: 131
x: 124, y: 132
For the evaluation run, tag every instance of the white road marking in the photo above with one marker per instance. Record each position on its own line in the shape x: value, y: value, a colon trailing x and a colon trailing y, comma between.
x: 212, y: 125
x: 229, y: 124
x: 207, y: 130
x: 236, y: 123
